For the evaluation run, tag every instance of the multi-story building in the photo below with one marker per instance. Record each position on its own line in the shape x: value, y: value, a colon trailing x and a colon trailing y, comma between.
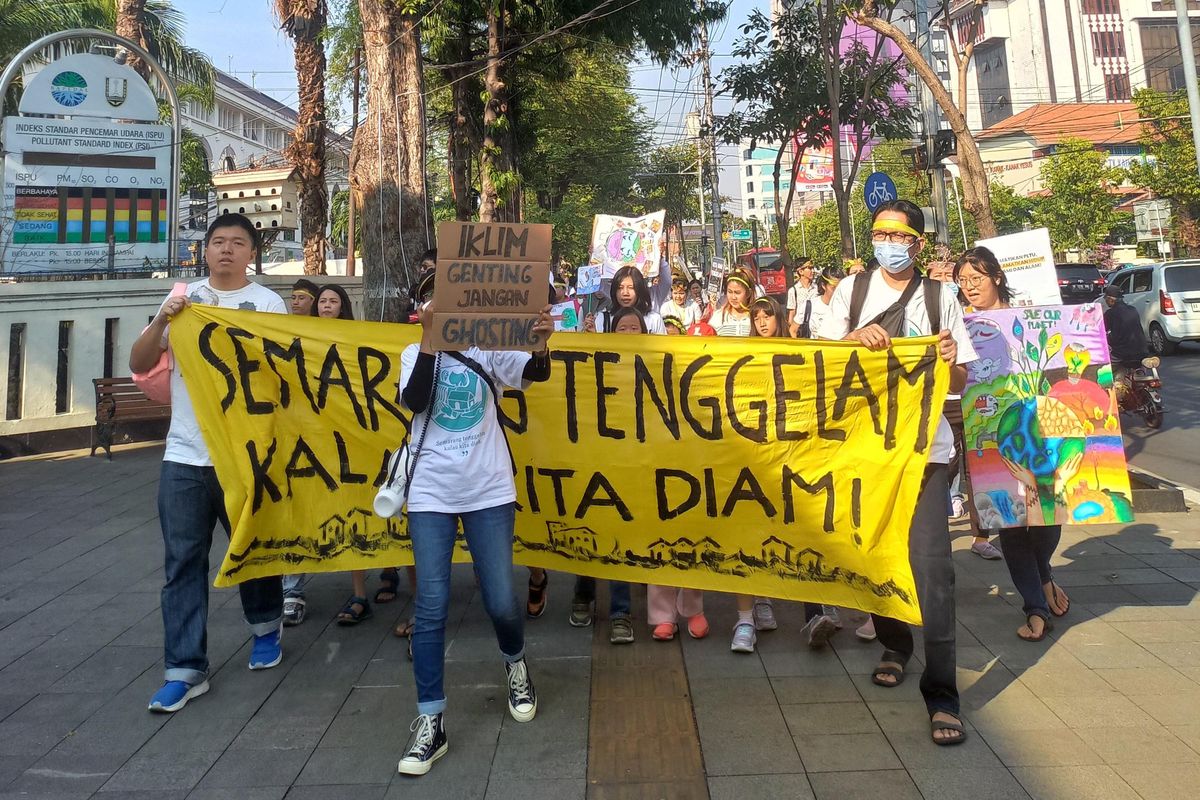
x: 1077, y: 51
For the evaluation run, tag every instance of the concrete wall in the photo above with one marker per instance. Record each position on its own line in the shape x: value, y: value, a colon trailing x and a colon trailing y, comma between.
x: 42, y: 306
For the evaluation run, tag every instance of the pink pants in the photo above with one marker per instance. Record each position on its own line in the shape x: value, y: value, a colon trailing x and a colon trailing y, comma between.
x: 664, y: 602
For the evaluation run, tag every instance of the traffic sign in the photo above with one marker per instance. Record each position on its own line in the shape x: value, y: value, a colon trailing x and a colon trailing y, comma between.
x: 740, y: 235
x: 878, y: 189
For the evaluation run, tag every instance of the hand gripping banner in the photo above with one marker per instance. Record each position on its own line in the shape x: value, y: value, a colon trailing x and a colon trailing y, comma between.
x: 764, y: 466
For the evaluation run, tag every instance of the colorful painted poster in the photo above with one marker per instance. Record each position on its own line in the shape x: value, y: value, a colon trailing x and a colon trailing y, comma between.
x: 1028, y: 261
x: 587, y: 281
x: 628, y: 242
x: 566, y: 316
x: 1040, y: 419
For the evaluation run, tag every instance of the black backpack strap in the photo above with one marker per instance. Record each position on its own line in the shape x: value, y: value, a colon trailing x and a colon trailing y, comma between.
x: 858, y: 297
x: 478, y: 369
x: 933, y: 305
x: 806, y: 324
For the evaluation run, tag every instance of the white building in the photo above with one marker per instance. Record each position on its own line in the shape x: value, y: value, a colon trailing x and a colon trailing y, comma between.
x: 245, y: 129
x: 1077, y: 51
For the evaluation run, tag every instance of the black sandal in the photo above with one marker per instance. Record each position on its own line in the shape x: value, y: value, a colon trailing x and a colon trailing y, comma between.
x: 535, y: 605
x: 390, y: 578
x: 885, y: 669
x: 348, y: 616
x: 1046, y: 628
x: 940, y: 725
x: 1058, y: 598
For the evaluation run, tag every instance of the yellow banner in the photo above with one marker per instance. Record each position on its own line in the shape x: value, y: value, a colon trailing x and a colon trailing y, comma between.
x: 763, y: 466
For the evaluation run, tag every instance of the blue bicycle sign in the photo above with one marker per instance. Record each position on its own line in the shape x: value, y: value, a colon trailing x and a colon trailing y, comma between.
x: 878, y: 189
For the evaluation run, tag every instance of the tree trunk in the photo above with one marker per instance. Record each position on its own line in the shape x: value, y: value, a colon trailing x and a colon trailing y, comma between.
x: 129, y: 25
x: 782, y: 220
x: 830, y: 26
x: 463, y: 145
x: 498, y: 177
x: 306, y: 152
x: 387, y: 162
x: 974, y: 176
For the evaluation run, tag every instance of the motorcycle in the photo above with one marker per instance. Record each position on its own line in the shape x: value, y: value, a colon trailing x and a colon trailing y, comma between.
x: 1140, y: 392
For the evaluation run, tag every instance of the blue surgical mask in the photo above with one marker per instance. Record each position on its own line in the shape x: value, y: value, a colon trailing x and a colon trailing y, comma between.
x: 953, y: 287
x: 892, y: 256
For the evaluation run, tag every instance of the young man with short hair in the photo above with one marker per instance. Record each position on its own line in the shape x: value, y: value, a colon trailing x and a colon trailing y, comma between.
x: 929, y: 309
x: 190, y: 500
x: 304, y: 298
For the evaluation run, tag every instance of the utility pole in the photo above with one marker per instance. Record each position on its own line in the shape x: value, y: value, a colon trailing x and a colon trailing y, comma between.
x: 708, y: 124
x: 1189, y: 71
x: 929, y: 113
x: 351, y: 217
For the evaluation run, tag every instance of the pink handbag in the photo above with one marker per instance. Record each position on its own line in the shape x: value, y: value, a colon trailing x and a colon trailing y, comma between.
x: 156, y: 383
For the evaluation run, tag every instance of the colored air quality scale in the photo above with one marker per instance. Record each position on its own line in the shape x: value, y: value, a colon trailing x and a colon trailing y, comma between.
x: 65, y: 215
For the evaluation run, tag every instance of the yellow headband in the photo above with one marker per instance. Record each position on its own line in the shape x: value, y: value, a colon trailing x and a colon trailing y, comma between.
x: 893, y: 225
x: 740, y: 279
x: 304, y: 291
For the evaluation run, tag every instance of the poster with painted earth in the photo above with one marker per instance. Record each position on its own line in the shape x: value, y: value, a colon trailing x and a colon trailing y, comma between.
x: 628, y: 242
x: 1042, y: 434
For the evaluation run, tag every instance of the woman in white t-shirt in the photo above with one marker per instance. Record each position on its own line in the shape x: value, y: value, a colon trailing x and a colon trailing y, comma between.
x: 678, y: 305
x: 811, y: 316
x: 463, y: 472
x: 733, y: 317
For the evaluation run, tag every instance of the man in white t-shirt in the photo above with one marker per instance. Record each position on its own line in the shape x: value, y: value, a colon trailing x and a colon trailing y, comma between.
x: 896, y: 235
x: 804, y: 290
x: 190, y: 500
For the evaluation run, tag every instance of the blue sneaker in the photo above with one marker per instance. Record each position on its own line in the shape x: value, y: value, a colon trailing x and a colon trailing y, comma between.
x: 174, y: 695
x: 268, y: 650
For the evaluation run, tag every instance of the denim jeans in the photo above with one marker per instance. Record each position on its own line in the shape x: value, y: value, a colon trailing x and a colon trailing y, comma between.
x: 489, y: 533
x: 933, y: 571
x: 619, y: 601
x: 293, y: 585
x: 1027, y: 552
x: 190, y: 504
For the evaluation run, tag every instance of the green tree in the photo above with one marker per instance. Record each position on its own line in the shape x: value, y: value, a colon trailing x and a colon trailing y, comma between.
x: 1171, y: 173
x: 1079, y: 207
x: 668, y: 181
x: 194, y: 172
x: 1012, y: 212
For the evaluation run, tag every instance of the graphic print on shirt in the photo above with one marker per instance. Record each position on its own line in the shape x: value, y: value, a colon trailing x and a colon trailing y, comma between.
x: 459, y: 404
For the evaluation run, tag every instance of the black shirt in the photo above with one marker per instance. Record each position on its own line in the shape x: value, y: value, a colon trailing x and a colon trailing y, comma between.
x: 1126, y: 341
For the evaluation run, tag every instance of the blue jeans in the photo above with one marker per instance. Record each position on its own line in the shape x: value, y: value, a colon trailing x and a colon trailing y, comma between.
x: 1027, y: 552
x: 293, y: 585
x: 489, y: 533
x: 619, y: 601
x: 190, y: 503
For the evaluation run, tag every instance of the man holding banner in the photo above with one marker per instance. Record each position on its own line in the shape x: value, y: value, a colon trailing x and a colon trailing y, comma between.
x: 872, y: 308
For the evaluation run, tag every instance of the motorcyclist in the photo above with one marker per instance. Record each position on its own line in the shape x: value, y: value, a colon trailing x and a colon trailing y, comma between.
x: 1126, y: 340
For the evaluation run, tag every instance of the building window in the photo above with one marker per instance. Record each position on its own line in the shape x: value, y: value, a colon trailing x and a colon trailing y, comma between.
x: 1108, y: 44
x: 228, y: 119
x: 749, y: 169
x: 1103, y: 6
x: 750, y: 187
x: 750, y: 203
x: 767, y: 186
x: 1161, y: 55
x: 991, y: 73
x: 747, y: 154
x: 1116, y: 87
x: 785, y: 184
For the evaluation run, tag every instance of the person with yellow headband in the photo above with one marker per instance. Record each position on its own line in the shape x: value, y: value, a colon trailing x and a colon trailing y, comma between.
x: 871, y: 308
x: 808, y: 319
x: 303, y: 302
x: 733, y: 318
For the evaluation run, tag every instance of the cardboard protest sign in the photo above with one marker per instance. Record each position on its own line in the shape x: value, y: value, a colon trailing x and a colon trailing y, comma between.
x: 763, y: 466
x: 1028, y: 261
x: 628, y: 242
x: 1040, y: 417
x: 491, y: 283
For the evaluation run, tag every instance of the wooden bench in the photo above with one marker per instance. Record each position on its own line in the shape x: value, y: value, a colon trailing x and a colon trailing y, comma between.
x: 120, y: 400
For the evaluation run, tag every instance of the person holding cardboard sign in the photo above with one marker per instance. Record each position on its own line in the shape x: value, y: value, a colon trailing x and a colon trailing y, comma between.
x: 463, y: 472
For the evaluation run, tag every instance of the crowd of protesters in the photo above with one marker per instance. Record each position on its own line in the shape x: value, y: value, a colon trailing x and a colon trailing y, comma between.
x: 869, y: 304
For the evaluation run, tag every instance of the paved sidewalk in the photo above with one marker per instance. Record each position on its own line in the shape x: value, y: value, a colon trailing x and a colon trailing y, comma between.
x: 1107, y: 707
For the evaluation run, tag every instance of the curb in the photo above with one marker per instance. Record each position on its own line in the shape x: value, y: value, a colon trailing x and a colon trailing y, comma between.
x: 1158, y: 494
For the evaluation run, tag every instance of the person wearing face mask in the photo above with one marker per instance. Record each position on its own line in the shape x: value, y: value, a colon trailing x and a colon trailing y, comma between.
x: 871, y: 308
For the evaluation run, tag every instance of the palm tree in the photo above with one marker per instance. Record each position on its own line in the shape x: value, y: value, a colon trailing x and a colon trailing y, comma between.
x: 304, y: 21
x: 159, y: 28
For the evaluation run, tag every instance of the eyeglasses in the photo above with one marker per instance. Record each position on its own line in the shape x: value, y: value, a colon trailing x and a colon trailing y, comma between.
x: 973, y: 281
x: 895, y: 237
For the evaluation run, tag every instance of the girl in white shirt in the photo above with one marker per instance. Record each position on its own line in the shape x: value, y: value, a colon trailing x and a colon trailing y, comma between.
x: 628, y: 290
x: 733, y: 318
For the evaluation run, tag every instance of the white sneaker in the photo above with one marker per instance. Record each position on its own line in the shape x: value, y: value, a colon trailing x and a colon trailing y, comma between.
x: 986, y: 550
x: 866, y: 631
x: 744, y: 638
x: 820, y: 629
x: 764, y: 615
x: 832, y: 613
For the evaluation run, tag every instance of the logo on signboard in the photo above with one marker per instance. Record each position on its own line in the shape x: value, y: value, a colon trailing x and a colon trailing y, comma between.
x: 115, y: 91
x: 68, y: 89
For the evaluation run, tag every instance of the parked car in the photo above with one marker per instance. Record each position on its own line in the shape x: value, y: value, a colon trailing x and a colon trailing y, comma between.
x: 1079, y: 283
x: 1167, y: 298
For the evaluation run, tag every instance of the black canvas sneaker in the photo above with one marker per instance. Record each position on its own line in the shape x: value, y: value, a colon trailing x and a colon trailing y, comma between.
x: 427, y: 745
x: 522, y: 699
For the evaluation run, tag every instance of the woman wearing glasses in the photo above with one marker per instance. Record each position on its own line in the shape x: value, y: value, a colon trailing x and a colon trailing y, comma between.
x: 1028, y: 550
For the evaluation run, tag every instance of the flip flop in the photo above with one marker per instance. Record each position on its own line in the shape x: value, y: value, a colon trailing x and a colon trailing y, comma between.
x: 1059, y: 598
x: 1046, y: 628
x: 390, y: 578
x: 940, y: 725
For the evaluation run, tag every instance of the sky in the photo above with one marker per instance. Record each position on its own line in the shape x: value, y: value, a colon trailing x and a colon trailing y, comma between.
x: 243, y: 38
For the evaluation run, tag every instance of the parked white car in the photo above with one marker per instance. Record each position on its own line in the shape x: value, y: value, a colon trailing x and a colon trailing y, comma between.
x: 1167, y: 298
